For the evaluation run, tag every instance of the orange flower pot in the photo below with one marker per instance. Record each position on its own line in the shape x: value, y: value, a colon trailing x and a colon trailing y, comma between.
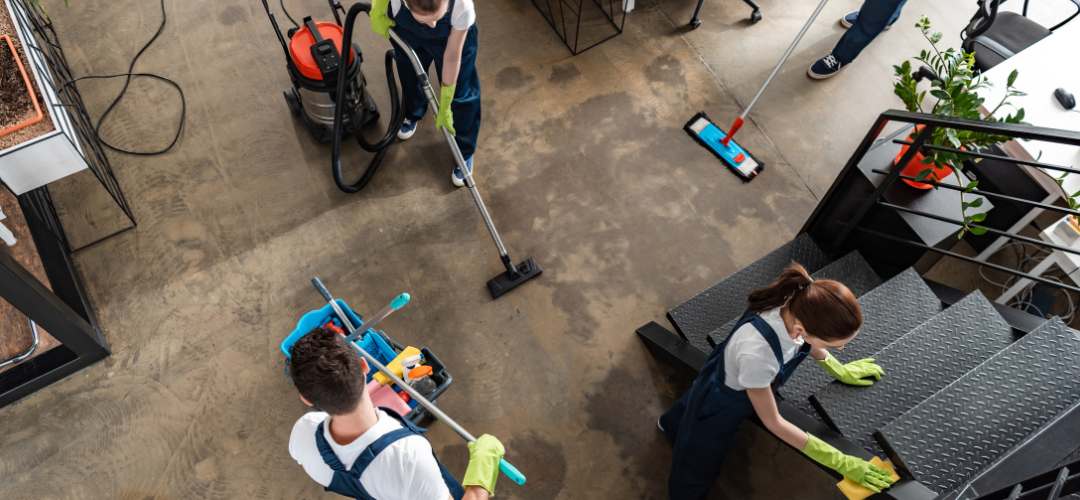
x: 916, y: 165
x: 33, y: 97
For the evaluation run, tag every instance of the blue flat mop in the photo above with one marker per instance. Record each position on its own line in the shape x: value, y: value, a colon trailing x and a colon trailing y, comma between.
x: 739, y: 160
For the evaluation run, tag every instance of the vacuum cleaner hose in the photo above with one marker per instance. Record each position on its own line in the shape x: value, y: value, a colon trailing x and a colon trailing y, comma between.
x: 397, y: 113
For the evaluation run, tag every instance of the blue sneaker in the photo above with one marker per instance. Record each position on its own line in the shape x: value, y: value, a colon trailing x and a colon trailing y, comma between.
x: 849, y: 19
x: 459, y: 181
x: 408, y: 128
x: 825, y: 67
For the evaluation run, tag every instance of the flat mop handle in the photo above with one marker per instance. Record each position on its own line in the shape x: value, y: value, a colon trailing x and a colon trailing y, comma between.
x: 504, y: 466
x: 798, y: 38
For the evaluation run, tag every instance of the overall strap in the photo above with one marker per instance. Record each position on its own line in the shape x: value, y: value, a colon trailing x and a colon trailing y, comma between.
x: 373, y: 450
x: 327, y: 453
x: 767, y: 331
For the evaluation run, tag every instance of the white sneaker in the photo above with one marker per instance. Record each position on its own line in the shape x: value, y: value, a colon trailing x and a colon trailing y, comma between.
x: 459, y: 181
x: 408, y: 128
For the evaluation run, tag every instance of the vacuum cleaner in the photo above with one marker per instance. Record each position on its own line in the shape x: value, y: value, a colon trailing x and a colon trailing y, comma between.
x: 315, y: 46
x: 329, y: 110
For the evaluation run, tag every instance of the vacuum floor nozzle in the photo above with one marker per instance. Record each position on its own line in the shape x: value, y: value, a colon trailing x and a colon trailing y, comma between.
x: 506, y: 281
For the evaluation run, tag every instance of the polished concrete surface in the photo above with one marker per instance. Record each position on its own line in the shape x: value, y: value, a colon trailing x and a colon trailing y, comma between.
x: 584, y: 165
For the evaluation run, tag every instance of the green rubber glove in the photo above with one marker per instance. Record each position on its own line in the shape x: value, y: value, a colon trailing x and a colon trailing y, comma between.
x: 853, y: 373
x: 380, y: 22
x: 484, y: 456
x: 868, y: 475
x: 445, y: 118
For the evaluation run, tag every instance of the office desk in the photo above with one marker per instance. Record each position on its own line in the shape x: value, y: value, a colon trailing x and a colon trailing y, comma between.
x: 1043, y: 67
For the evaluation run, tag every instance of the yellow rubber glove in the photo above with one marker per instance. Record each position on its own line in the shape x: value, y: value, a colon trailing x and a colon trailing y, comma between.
x: 868, y: 475
x: 484, y: 456
x: 445, y: 118
x: 853, y: 373
x: 380, y: 22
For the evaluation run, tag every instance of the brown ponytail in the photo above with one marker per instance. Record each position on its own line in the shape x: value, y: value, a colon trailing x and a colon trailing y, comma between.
x: 826, y: 308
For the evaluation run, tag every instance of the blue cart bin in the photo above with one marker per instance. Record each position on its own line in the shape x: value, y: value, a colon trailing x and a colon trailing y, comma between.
x: 375, y: 343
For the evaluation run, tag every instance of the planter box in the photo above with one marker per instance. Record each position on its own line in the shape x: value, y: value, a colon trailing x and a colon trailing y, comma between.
x: 42, y: 155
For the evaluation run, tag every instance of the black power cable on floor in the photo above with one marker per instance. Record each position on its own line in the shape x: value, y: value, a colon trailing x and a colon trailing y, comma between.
x: 282, y: 3
x: 129, y: 74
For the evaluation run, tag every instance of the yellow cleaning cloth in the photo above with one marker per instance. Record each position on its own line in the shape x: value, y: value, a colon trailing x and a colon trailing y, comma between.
x: 395, y: 365
x: 856, y: 492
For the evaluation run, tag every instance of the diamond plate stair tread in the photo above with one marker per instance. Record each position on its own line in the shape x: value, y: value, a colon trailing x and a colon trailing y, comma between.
x: 963, y: 429
x: 917, y: 365
x: 706, y: 311
x: 851, y: 270
x: 889, y: 311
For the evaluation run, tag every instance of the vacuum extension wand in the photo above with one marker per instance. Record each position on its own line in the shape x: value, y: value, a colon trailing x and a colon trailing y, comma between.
x: 504, y: 466
x: 515, y: 274
x: 739, y: 121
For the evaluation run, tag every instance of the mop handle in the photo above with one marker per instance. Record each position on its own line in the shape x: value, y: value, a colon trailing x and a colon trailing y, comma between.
x: 394, y: 305
x: 504, y: 466
x: 739, y: 121
x: 433, y: 102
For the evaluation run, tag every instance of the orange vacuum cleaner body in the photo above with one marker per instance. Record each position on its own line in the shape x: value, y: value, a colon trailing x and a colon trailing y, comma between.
x: 314, y: 62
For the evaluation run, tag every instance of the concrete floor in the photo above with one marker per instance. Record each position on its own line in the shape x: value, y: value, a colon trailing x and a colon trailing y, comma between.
x: 584, y: 166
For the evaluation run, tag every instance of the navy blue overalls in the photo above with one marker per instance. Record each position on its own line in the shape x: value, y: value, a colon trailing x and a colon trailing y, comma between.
x: 347, y: 482
x: 430, y: 45
x: 704, y: 423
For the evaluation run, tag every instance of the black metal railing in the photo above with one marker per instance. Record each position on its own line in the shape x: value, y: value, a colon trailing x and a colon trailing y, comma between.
x: 1055, y: 484
x: 73, y: 120
x: 930, y: 124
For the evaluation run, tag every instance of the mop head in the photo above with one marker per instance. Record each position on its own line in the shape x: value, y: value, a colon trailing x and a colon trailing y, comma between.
x: 735, y: 157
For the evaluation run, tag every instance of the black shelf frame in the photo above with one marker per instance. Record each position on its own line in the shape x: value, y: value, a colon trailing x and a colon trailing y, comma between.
x: 54, y: 68
x: 576, y: 8
x: 63, y: 311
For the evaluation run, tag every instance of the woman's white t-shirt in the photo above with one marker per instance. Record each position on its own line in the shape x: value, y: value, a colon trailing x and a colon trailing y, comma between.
x: 749, y: 361
x: 463, y: 16
x: 405, y: 470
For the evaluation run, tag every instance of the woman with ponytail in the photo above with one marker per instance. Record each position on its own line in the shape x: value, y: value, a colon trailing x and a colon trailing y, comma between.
x: 787, y: 320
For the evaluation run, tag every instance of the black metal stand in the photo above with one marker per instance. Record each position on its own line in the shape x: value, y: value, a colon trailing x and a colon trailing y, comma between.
x: 62, y: 311
x: 50, y: 62
x: 755, y: 15
x: 557, y: 19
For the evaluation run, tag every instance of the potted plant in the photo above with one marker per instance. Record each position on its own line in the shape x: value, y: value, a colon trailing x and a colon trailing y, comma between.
x: 954, y: 83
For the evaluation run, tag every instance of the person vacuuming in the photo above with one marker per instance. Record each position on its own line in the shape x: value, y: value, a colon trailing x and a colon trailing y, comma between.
x: 794, y: 317
x: 359, y: 451
x: 443, y: 32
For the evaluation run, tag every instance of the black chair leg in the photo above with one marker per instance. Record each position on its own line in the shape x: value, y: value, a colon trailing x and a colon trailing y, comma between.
x: 755, y: 16
x: 695, y: 22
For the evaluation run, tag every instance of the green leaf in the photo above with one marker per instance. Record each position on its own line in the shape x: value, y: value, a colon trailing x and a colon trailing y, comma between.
x: 964, y: 206
x: 977, y: 231
x: 979, y: 217
x: 971, y: 185
x: 977, y: 203
x: 923, y: 174
x: 1012, y: 77
x: 940, y: 94
x: 1019, y: 113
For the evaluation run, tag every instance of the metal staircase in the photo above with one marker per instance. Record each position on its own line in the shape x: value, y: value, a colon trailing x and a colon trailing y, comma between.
x: 976, y: 396
x: 962, y: 391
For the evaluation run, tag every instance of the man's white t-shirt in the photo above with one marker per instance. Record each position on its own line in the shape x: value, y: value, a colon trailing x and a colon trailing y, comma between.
x: 405, y: 470
x: 749, y: 361
x: 463, y: 16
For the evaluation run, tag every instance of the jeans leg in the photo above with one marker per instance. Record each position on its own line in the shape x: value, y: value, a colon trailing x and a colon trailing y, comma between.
x: 466, y: 105
x: 874, y: 16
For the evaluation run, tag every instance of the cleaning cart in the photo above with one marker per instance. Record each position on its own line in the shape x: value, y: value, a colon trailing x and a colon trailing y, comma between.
x: 375, y: 348
x: 378, y: 344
